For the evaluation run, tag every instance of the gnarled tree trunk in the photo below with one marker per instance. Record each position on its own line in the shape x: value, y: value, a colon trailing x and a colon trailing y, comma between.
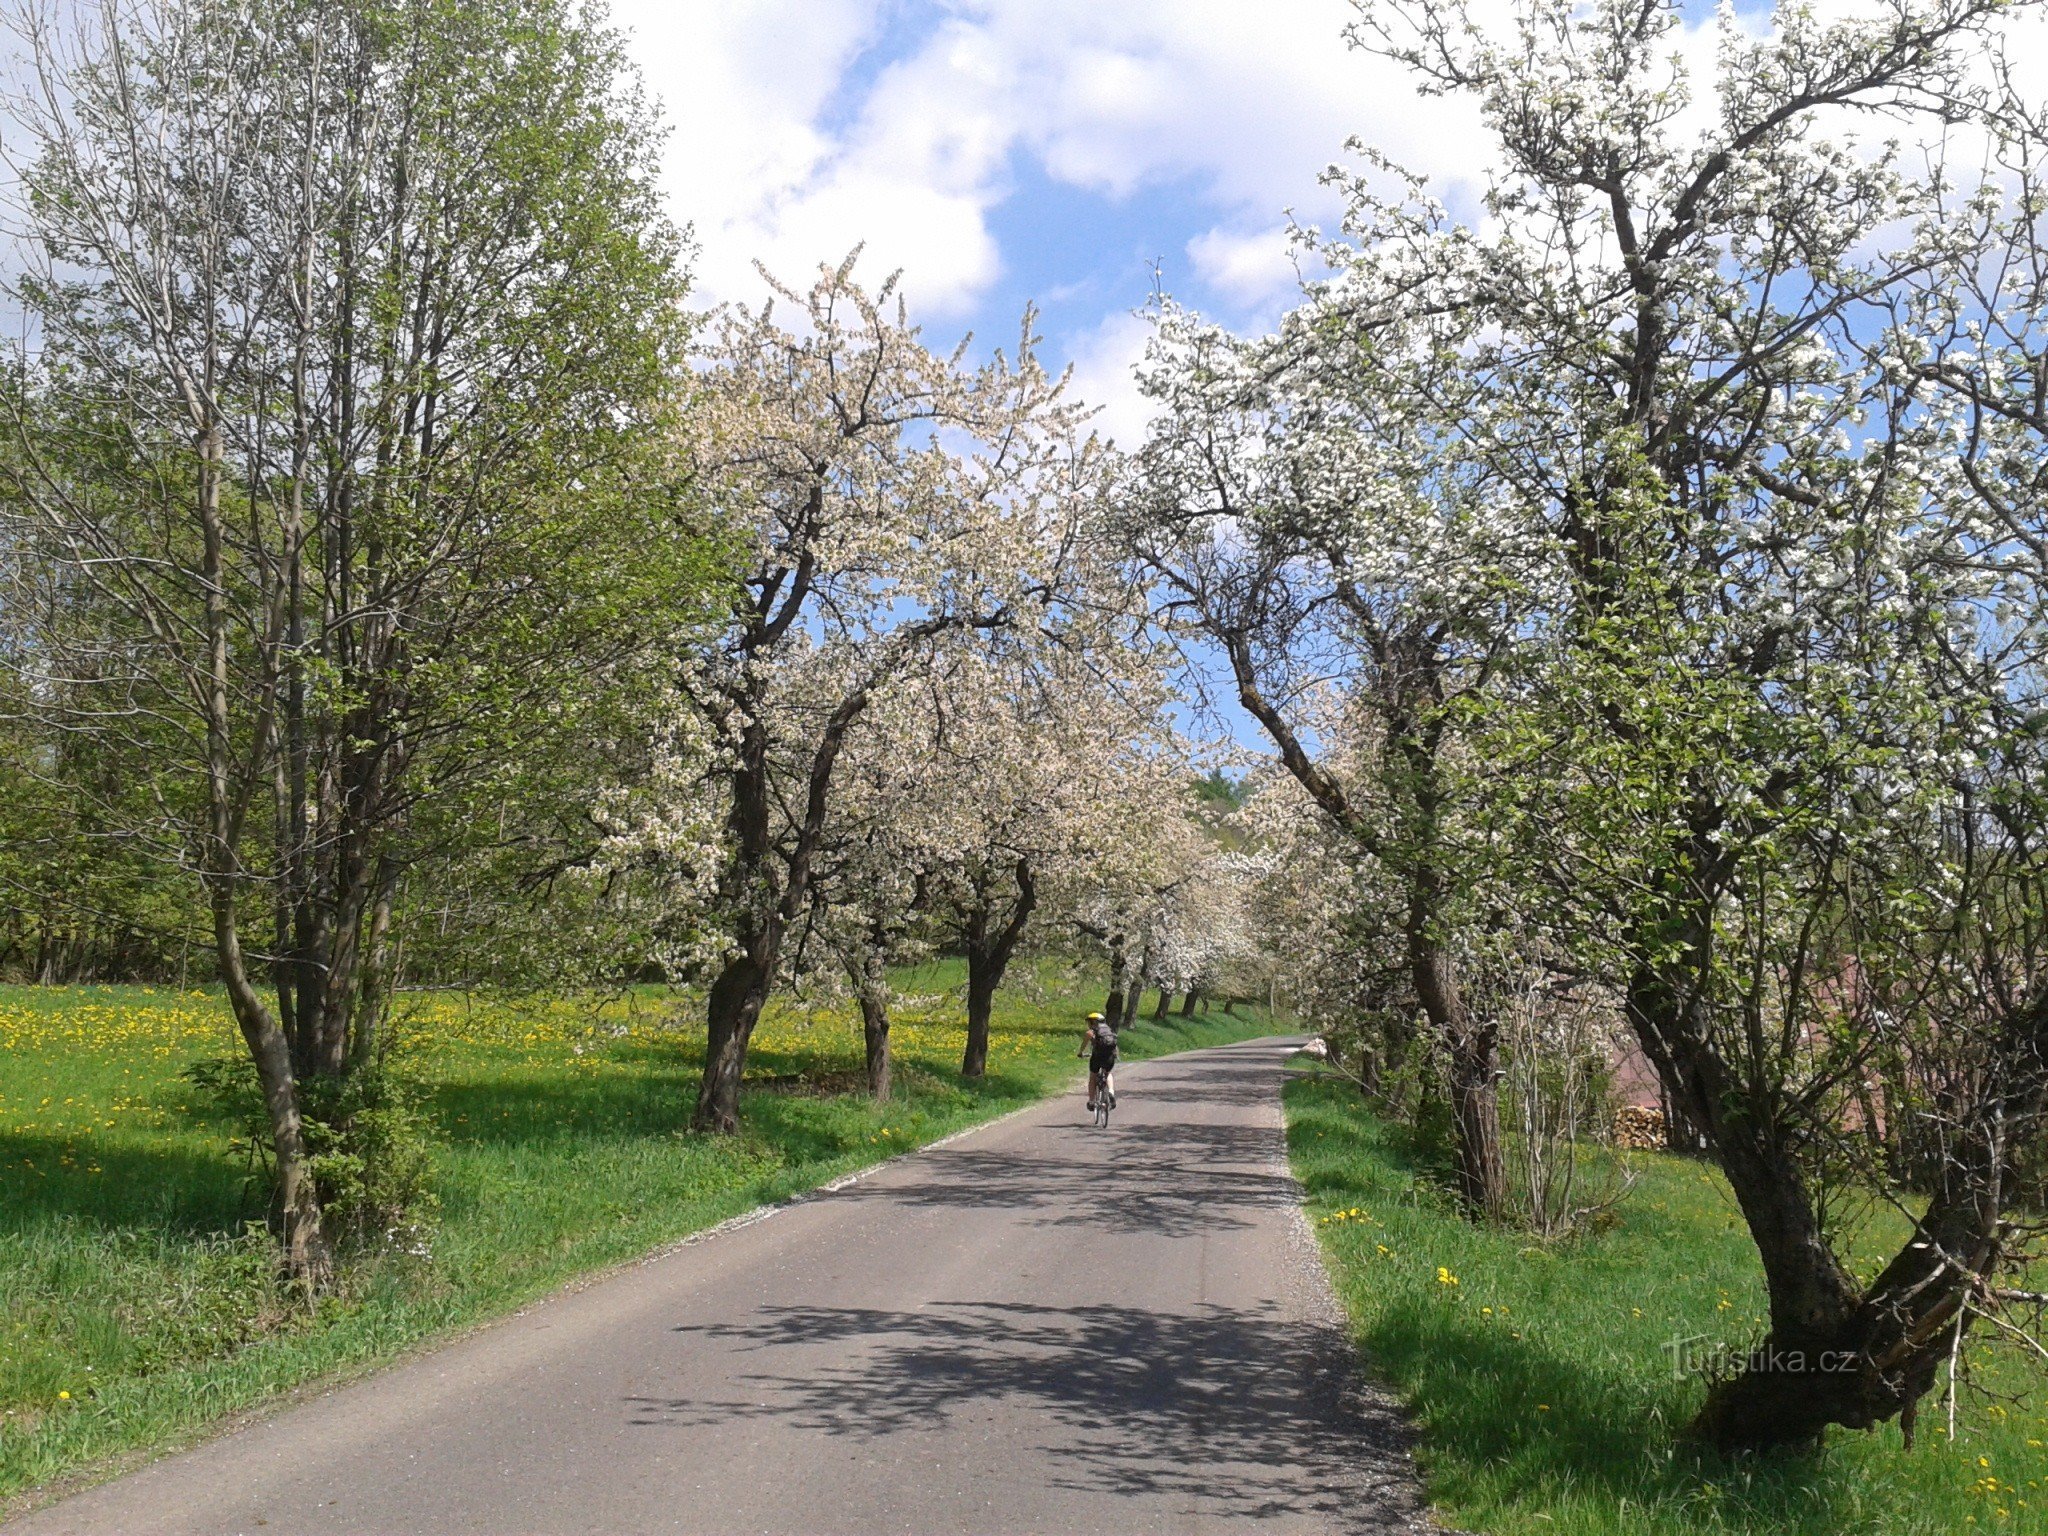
x: 1837, y: 1352
x: 740, y: 990
x: 990, y: 946
x: 763, y: 914
x: 731, y: 1012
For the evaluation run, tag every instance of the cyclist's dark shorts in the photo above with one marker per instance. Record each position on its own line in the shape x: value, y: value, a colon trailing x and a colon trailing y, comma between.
x: 1102, y: 1061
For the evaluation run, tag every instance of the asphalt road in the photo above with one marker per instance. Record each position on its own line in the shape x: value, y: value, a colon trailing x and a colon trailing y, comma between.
x: 1039, y: 1326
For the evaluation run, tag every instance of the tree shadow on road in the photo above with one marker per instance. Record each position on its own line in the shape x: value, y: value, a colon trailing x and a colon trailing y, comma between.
x: 1195, y: 1178
x: 1214, y: 1078
x: 1241, y: 1415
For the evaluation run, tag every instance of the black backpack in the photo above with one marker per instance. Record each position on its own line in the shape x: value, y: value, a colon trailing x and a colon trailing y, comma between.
x: 1103, y: 1035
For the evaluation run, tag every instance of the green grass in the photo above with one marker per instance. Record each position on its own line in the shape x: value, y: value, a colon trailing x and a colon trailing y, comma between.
x: 1541, y: 1381
x: 131, y: 1318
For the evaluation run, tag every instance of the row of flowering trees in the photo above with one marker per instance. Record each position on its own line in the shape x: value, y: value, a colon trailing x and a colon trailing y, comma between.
x: 1641, y: 582
x: 933, y: 713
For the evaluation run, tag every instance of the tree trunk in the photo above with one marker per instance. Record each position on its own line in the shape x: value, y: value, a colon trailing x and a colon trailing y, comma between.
x: 1119, y: 974
x: 1856, y: 1360
x: 874, y: 1023
x: 1836, y: 1352
x: 1372, y: 1066
x: 1187, y: 1007
x: 1129, y: 1015
x: 983, y: 973
x: 306, y: 1257
x: 1473, y: 1052
x: 731, y: 1012
x: 1475, y: 1103
x: 373, y: 995
x: 740, y: 990
x: 340, y: 967
x: 1681, y: 1136
x: 1165, y: 1005
x: 868, y: 970
x: 989, y: 952
x: 1840, y: 1354
x: 329, y: 1000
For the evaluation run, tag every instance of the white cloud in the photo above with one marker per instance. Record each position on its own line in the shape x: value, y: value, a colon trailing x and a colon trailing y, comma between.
x: 791, y: 146
x: 1249, y: 102
x: 770, y: 161
x: 1253, y: 270
x: 1243, y: 104
x: 1104, y: 377
x: 743, y: 85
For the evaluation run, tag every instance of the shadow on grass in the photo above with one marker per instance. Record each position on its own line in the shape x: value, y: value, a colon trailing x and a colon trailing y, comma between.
x: 163, y: 1186
x: 1533, y: 1424
x: 193, y: 1181
x: 1520, y: 1421
x: 534, y: 1111
x: 811, y: 1129
x: 641, y: 1089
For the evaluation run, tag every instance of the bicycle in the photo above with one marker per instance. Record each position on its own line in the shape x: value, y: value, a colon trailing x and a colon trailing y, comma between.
x: 1104, y: 1100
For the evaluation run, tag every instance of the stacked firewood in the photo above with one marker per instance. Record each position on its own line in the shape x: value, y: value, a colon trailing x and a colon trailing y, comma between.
x: 1638, y: 1129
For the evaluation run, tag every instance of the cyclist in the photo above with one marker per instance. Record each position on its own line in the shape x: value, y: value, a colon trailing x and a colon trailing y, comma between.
x: 1098, y: 1044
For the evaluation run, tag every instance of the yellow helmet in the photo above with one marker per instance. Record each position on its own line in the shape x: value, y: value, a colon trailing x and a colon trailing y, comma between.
x: 1094, y: 1018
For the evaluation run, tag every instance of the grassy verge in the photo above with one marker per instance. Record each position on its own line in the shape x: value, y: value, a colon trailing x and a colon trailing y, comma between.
x: 131, y: 1318
x: 1543, y: 1381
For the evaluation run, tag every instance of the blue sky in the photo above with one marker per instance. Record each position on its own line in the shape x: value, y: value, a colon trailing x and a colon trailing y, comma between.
x: 1004, y: 151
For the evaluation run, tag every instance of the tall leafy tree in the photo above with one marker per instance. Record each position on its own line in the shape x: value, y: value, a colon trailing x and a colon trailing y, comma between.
x: 1325, y: 538
x: 355, y: 324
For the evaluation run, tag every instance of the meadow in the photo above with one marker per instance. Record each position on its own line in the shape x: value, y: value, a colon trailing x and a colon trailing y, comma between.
x: 1542, y: 1378
x: 140, y: 1310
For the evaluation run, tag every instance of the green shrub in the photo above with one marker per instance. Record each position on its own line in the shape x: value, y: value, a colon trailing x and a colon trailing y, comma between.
x: 369, y: 1144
